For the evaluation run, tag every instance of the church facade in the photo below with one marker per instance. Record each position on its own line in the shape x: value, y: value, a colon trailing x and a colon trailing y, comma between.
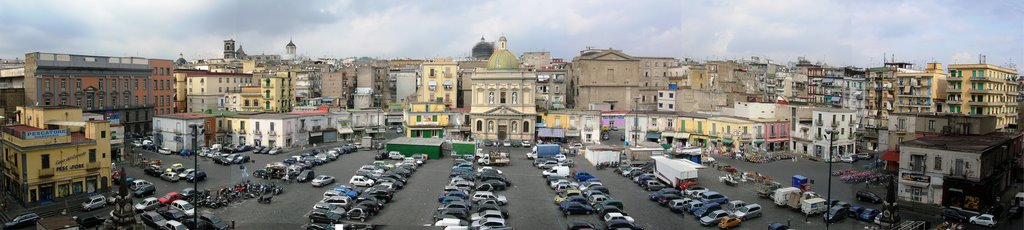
x: 503, y: 105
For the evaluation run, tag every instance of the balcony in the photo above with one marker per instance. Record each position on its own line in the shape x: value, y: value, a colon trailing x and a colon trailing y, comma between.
x: 982, y: 103
x: 48, y: 172
x: 241, y: 132
x: 819, y: 122
x: 835, y: 124
x: 987, y: 91
x: 272, y: 133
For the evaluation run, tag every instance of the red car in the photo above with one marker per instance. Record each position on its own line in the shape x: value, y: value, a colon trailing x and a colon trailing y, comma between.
x: 171, y: 197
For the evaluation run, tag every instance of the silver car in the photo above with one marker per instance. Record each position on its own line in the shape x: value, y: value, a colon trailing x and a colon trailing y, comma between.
x: 94, y: 202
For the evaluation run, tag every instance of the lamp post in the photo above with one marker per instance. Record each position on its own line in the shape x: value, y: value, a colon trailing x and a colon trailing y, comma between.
x: 831, y: 140
x: 195, y: 163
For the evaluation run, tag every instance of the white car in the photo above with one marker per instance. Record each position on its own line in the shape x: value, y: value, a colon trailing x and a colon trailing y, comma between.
x: 848, y: 159
x: 482, y: 195
x: 184, y: 174
x: 616, y: 216
x: 986, y: 220
x: 174, y: 225
x: 164, y: 151
x: 322, y: 180
x: 489, y: 168
x: 147, y: 204
x: 361, y: 181
x: 526, y: 143
x: 451, y: 222
x: 486, y: 214
x: 184, y: 206
x: 489, y: 222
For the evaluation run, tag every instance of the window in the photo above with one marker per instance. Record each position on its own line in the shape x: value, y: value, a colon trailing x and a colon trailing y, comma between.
x: 479, y: 126
x: 670, y: 106
x: 103, y: 134
x: 938, y: 163
x: 45, y: 161
x: 660, y: 105
x: 92, y: 155
x: 526, y: 126
x: 502, y: 97
x: 671, y: 95
x: 931, y: 125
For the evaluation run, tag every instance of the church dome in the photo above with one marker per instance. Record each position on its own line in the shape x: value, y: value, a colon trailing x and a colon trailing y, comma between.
x: 483, y: 49
x: 502, y: 59
x: 181, y: 60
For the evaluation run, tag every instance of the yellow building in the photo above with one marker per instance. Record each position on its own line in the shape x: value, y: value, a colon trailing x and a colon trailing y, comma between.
x: 984, y: 89
x: 276, y: 92
x: 918, y: 91
x: 52, y: 154
x: 426, y: 120
x: 439, y: 82
x: 691, y: 128
x: 245, y: 100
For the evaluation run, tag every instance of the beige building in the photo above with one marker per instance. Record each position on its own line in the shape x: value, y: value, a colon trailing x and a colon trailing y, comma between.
x: 503, y: 106
x: 608, y: 76
x: 466, y: 70
x: 438, y: 82
x: 984, y: 89
x: 921, y: 91
x: 206, y: 91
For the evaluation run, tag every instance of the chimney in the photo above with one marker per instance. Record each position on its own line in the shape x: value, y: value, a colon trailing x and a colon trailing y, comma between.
x: 981, y: 59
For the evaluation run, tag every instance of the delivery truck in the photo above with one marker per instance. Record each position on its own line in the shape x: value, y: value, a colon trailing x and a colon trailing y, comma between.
x: 673, y: 172
x: 813, y: 206
x: 783, y: 196
x: 495, y: 158
x: 543, y: 150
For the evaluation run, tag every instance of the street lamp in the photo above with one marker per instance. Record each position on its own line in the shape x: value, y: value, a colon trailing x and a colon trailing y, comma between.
x: 831, y: 139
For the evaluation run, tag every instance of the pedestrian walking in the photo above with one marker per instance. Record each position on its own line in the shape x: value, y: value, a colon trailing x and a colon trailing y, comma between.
x: 3, y: 206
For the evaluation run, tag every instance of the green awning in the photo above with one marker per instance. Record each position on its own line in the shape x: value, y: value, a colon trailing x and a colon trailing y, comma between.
x: 727, y: 141
x: 666, y: 146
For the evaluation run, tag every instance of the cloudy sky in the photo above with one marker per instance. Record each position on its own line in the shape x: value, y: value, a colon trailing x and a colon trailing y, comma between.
x: 836, y: 32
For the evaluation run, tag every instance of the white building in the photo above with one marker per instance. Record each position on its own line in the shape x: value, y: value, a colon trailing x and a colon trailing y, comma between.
x: 172, y: 131
x: 841, y: 123
x: 274, y: 130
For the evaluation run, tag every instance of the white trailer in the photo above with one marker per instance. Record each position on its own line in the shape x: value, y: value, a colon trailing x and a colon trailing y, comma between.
x: 598, y: 154
x: 673, y: 171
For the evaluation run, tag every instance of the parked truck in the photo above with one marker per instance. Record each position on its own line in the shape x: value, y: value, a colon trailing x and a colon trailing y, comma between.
x: 783, y: 196
x: 543, y: 150
x: 495, y: 158
x: 813, y: 206
x: 674, y: 172
x: 367, y: 143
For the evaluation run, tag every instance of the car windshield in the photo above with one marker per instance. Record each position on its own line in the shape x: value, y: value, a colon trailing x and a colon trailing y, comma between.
x: 186, y: 206
x: 213, y: 219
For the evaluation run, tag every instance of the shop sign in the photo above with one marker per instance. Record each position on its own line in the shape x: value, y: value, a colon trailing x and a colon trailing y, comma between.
x: 916, y: 177
x: 45, y: 133
x: 61, y: 167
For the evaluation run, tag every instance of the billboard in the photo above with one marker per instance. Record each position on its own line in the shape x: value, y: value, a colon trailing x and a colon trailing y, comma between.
x: 114, y: 117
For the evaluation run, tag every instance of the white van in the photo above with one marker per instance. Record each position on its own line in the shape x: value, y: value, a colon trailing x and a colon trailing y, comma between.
x: 136, y: 184
x: 556, y: 171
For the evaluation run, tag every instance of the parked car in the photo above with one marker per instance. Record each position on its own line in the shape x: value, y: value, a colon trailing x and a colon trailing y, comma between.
x: 361, y: 181
x: 173, y: 214
x: 153, y: 170
x: 713, y: 217
x: 173, y: 225
x: 196, y: 176
x: 89, y: 222
x: 184, y: 206
x: 23, y: 220
x: 171, y: 197
x: 868, y: 214
x: 148, y: 204
x: 211, y: 221
x: 170, y: 176
x: 571, y: 208
x: 580, y: 225
x: 325, y: 216
x: 748, y: 211
x: 729, y: 222
x: 864, y: 195
x: 146, y: 190
x: 322, y: 180
x: 94, y: 202
x: 153, y: 219
x: 986, y: 220
x: 305, y: 176
x: 164, y: 151
x: 836, y: 214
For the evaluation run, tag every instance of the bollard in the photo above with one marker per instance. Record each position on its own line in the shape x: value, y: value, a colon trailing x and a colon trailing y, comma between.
x: 232, y: 224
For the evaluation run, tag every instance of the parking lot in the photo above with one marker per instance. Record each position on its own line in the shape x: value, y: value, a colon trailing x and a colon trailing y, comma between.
x: 530, y: 198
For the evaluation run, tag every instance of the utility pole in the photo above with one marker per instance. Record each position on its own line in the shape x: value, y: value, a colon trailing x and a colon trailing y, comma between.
x: 636, y: 124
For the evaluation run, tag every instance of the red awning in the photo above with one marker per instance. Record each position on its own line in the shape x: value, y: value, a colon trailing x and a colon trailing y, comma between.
x: 891, y: 155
